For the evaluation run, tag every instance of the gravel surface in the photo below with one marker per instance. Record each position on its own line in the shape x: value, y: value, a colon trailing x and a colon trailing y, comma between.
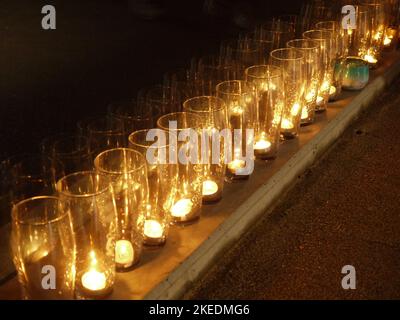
x: 344, y: 211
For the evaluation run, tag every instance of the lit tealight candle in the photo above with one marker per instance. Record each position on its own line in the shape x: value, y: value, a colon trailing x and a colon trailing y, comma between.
x: 370, y: 59
x: 304, y: 113
x: 262, y: 145
x: 387, y: 41
x: 320, y: 101
x: 153, y: 229
x: 209, y: 188
x: 236, y: 164
x: 310, y: 96
x: 287, y: 124
x: 94, y: 280
x: 332, y: 90
x: 181, y: 208
x: 325, y: 85
x: 262, y: 148
x: 124, y: 253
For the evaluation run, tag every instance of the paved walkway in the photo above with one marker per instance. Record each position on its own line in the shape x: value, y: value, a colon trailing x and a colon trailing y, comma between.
x: 344, y: 211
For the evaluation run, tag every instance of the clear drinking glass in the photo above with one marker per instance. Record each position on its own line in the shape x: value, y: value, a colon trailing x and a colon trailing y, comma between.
x: 279, y: 32
x: 106, y: 133
x: 213, y: 113
x: 43, y: 247
x: 210, y: 70
x: 291, y: 61
x: 33, y: 175
x: 73, y: 152
x: 126, y: 169
x: 325, y: 39
x: 188, y: 195
x: 358, y: 39
x: 24, y: 176
x: 313, y: 66
x: 266, y: 111
x: 378, y: 16
x: 338, y: 54
x: 89, y: 199
x: 239, y: 99
x: 162, y: 180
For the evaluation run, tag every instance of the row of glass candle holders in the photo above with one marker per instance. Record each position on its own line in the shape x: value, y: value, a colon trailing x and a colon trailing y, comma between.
x: 98, y: 220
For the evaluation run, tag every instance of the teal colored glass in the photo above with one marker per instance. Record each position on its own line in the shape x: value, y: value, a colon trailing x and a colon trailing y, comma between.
x: 355, y: 73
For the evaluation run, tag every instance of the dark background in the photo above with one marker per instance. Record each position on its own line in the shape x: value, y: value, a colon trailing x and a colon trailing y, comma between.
x: 101, y: 51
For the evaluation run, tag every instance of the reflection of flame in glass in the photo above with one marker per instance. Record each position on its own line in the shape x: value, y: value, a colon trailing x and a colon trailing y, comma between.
x: 237, y: 110
x: 378, y: 36
x: 310, y: 96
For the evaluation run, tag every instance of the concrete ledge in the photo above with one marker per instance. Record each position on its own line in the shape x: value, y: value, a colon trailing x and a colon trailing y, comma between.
x: 189, y: 251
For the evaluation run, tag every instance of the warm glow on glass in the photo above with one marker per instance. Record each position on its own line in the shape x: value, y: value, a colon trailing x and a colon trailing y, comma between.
x: 237, y: 110
x: 378, y: 36
x: 310, y: 96
x: 181, y: 208
x: 295, y: 109
x: 320, y: 100
x: 153, y: 229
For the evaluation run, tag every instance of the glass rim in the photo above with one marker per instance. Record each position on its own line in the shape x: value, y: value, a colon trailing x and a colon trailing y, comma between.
x: 220, y: 104
x: 266, y: 26
x: 113, y: 131
x: 69, y: 139
x: 287, y: 59
x: 242, y: 83
x: 14, y: 212
x: 148, y: 146
x: 103, y: 171
x: 165, y: 116
x: 86, y: 195
x: 269, y: 67
x: 317, y: 45
x: 325, y: 22
x: 318, y: 30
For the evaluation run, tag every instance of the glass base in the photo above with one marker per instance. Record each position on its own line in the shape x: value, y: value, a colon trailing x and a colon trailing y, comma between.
x: 233, y: 177
x: 287, y: 135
